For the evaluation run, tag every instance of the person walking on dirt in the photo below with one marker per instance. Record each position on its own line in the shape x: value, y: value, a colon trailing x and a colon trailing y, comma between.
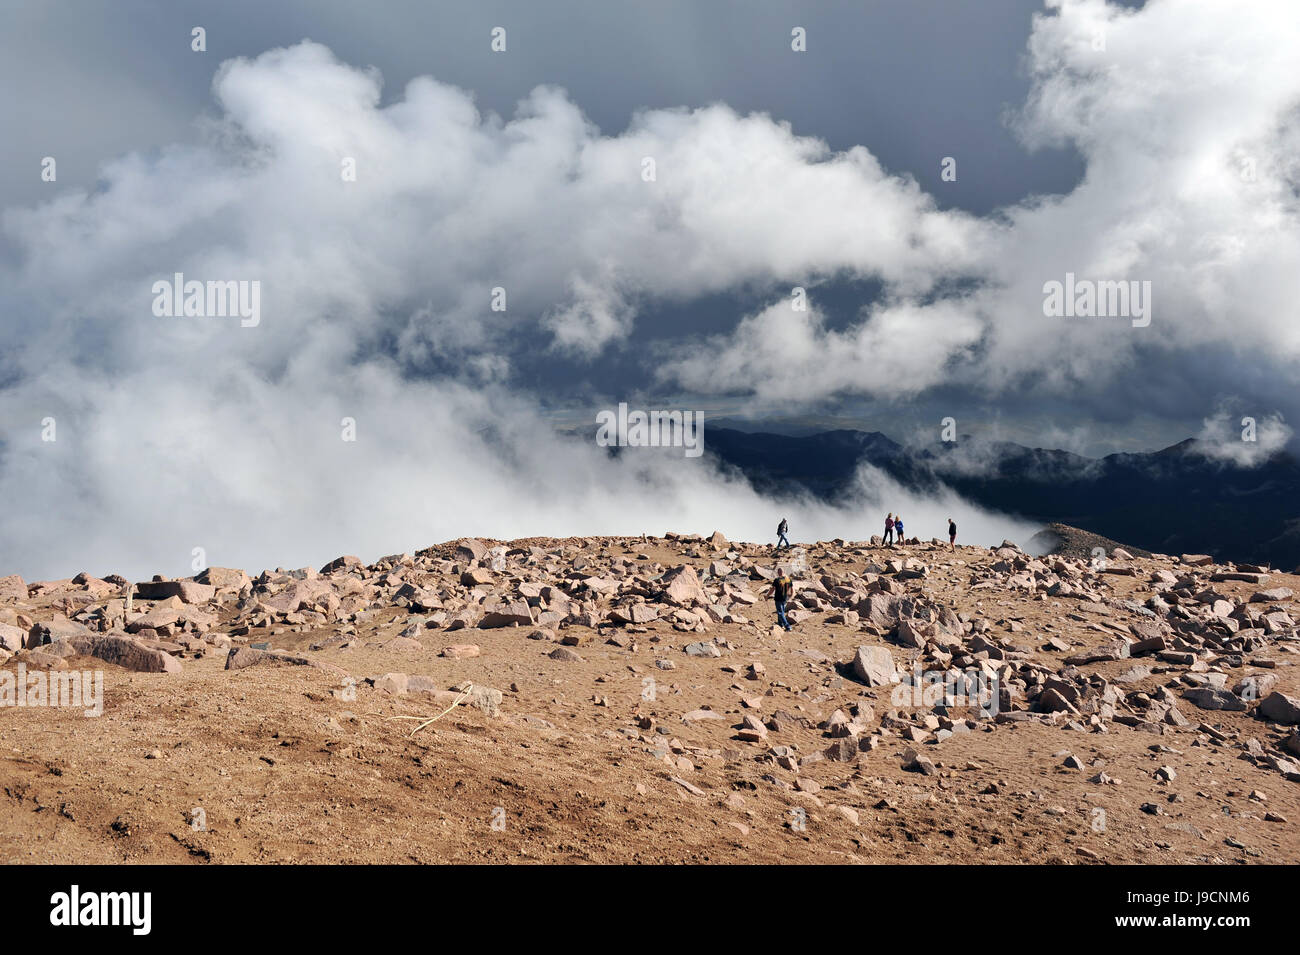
x: 952, y: 534
x: 889, y: 529
x: 782, y: 591
x: 780, y: 533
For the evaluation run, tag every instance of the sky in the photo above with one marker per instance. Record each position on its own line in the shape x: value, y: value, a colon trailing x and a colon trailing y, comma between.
x: 678, y: 210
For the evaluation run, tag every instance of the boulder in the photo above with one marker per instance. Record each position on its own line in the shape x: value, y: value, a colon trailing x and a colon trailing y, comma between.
x: 507, y: 614
x: 470, y: 549
x: 875, y: 666
x: 12, y: 638
x: 346, y: 562
x: 393, y: 683
x: 123, y: 651
x: 1280, y: 708
x: 162, y: 620
x: 60, y: 628
x: 224, y: 578
x: 241, y: 658
x: 1214, y: 698
x: 1256, y: 686
x: 682, y: 587
x: 188, y: 591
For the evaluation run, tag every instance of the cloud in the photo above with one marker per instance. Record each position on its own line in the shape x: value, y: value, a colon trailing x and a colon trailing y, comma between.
x: 1187, y: 116
x: 191, y: 432
x: 1231, y: 437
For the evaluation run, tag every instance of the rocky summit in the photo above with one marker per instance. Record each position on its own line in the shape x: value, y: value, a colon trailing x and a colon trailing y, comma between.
x: 633, y: 700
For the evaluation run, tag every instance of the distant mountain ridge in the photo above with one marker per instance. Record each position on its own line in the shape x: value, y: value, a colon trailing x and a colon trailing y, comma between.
x: 1175, y: 500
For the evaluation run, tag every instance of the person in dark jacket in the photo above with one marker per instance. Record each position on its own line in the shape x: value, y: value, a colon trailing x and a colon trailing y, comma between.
x: 782, y: 591
x: 952, y: 534
x: 780, y: 533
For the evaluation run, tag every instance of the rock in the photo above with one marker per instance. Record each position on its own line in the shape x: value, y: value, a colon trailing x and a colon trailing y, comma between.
x: 477, y: 577
x: 514, y: 612
x: 470, y: 550
x: 565, y: 655
x: 1133, y: 674
x: 1052, y: 700
x: 1214, y: 698
x: 1197, y: 560
x: 874, y: 666
x: 43, y: 660
x: 240, y: 658
x: 1250, y: 578
x: 842, y: 750
x: 484, y: 698
x: 160, y: 619
x: 11, y: 638
x: 633, y: 614
x: 1153, y: 643
x: 60, y: 628
x: 1280, y: 709
x: 709, y: 649
x: 1116, y: 650
x: 682, y: 587
x: 224, y: 579
x: 123, y: 651
x: 1255, y: 686
x: 12, y: 588
x: 187, y: 590
x: 401, y: 644
x: 751, y: 730
x: 395, y: 684
x: 346, y: 562
x: 914, y: 762
x: 1276, y: 595
x: 461, y: 651
x: 701, y: 715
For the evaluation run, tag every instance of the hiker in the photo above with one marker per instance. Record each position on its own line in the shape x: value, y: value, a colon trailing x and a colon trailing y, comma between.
x: 952, y: 535
x: 898, y: 528
x: 780, y: 533
x: 889, y: 529
x: 782, y: 591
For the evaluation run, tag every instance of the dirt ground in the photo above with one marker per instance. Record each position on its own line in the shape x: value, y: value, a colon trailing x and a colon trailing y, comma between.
x: 288, y: 765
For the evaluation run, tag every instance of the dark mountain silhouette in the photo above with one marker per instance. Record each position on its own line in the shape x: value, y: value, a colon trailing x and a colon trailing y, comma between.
x: 1177, y: 500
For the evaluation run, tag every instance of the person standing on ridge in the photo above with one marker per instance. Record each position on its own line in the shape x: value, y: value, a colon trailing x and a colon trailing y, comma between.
x: 898, y: 528
x: 782, y: 591
x: 780, y: 533
x: 889, y: 529
x: 952, y: 535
